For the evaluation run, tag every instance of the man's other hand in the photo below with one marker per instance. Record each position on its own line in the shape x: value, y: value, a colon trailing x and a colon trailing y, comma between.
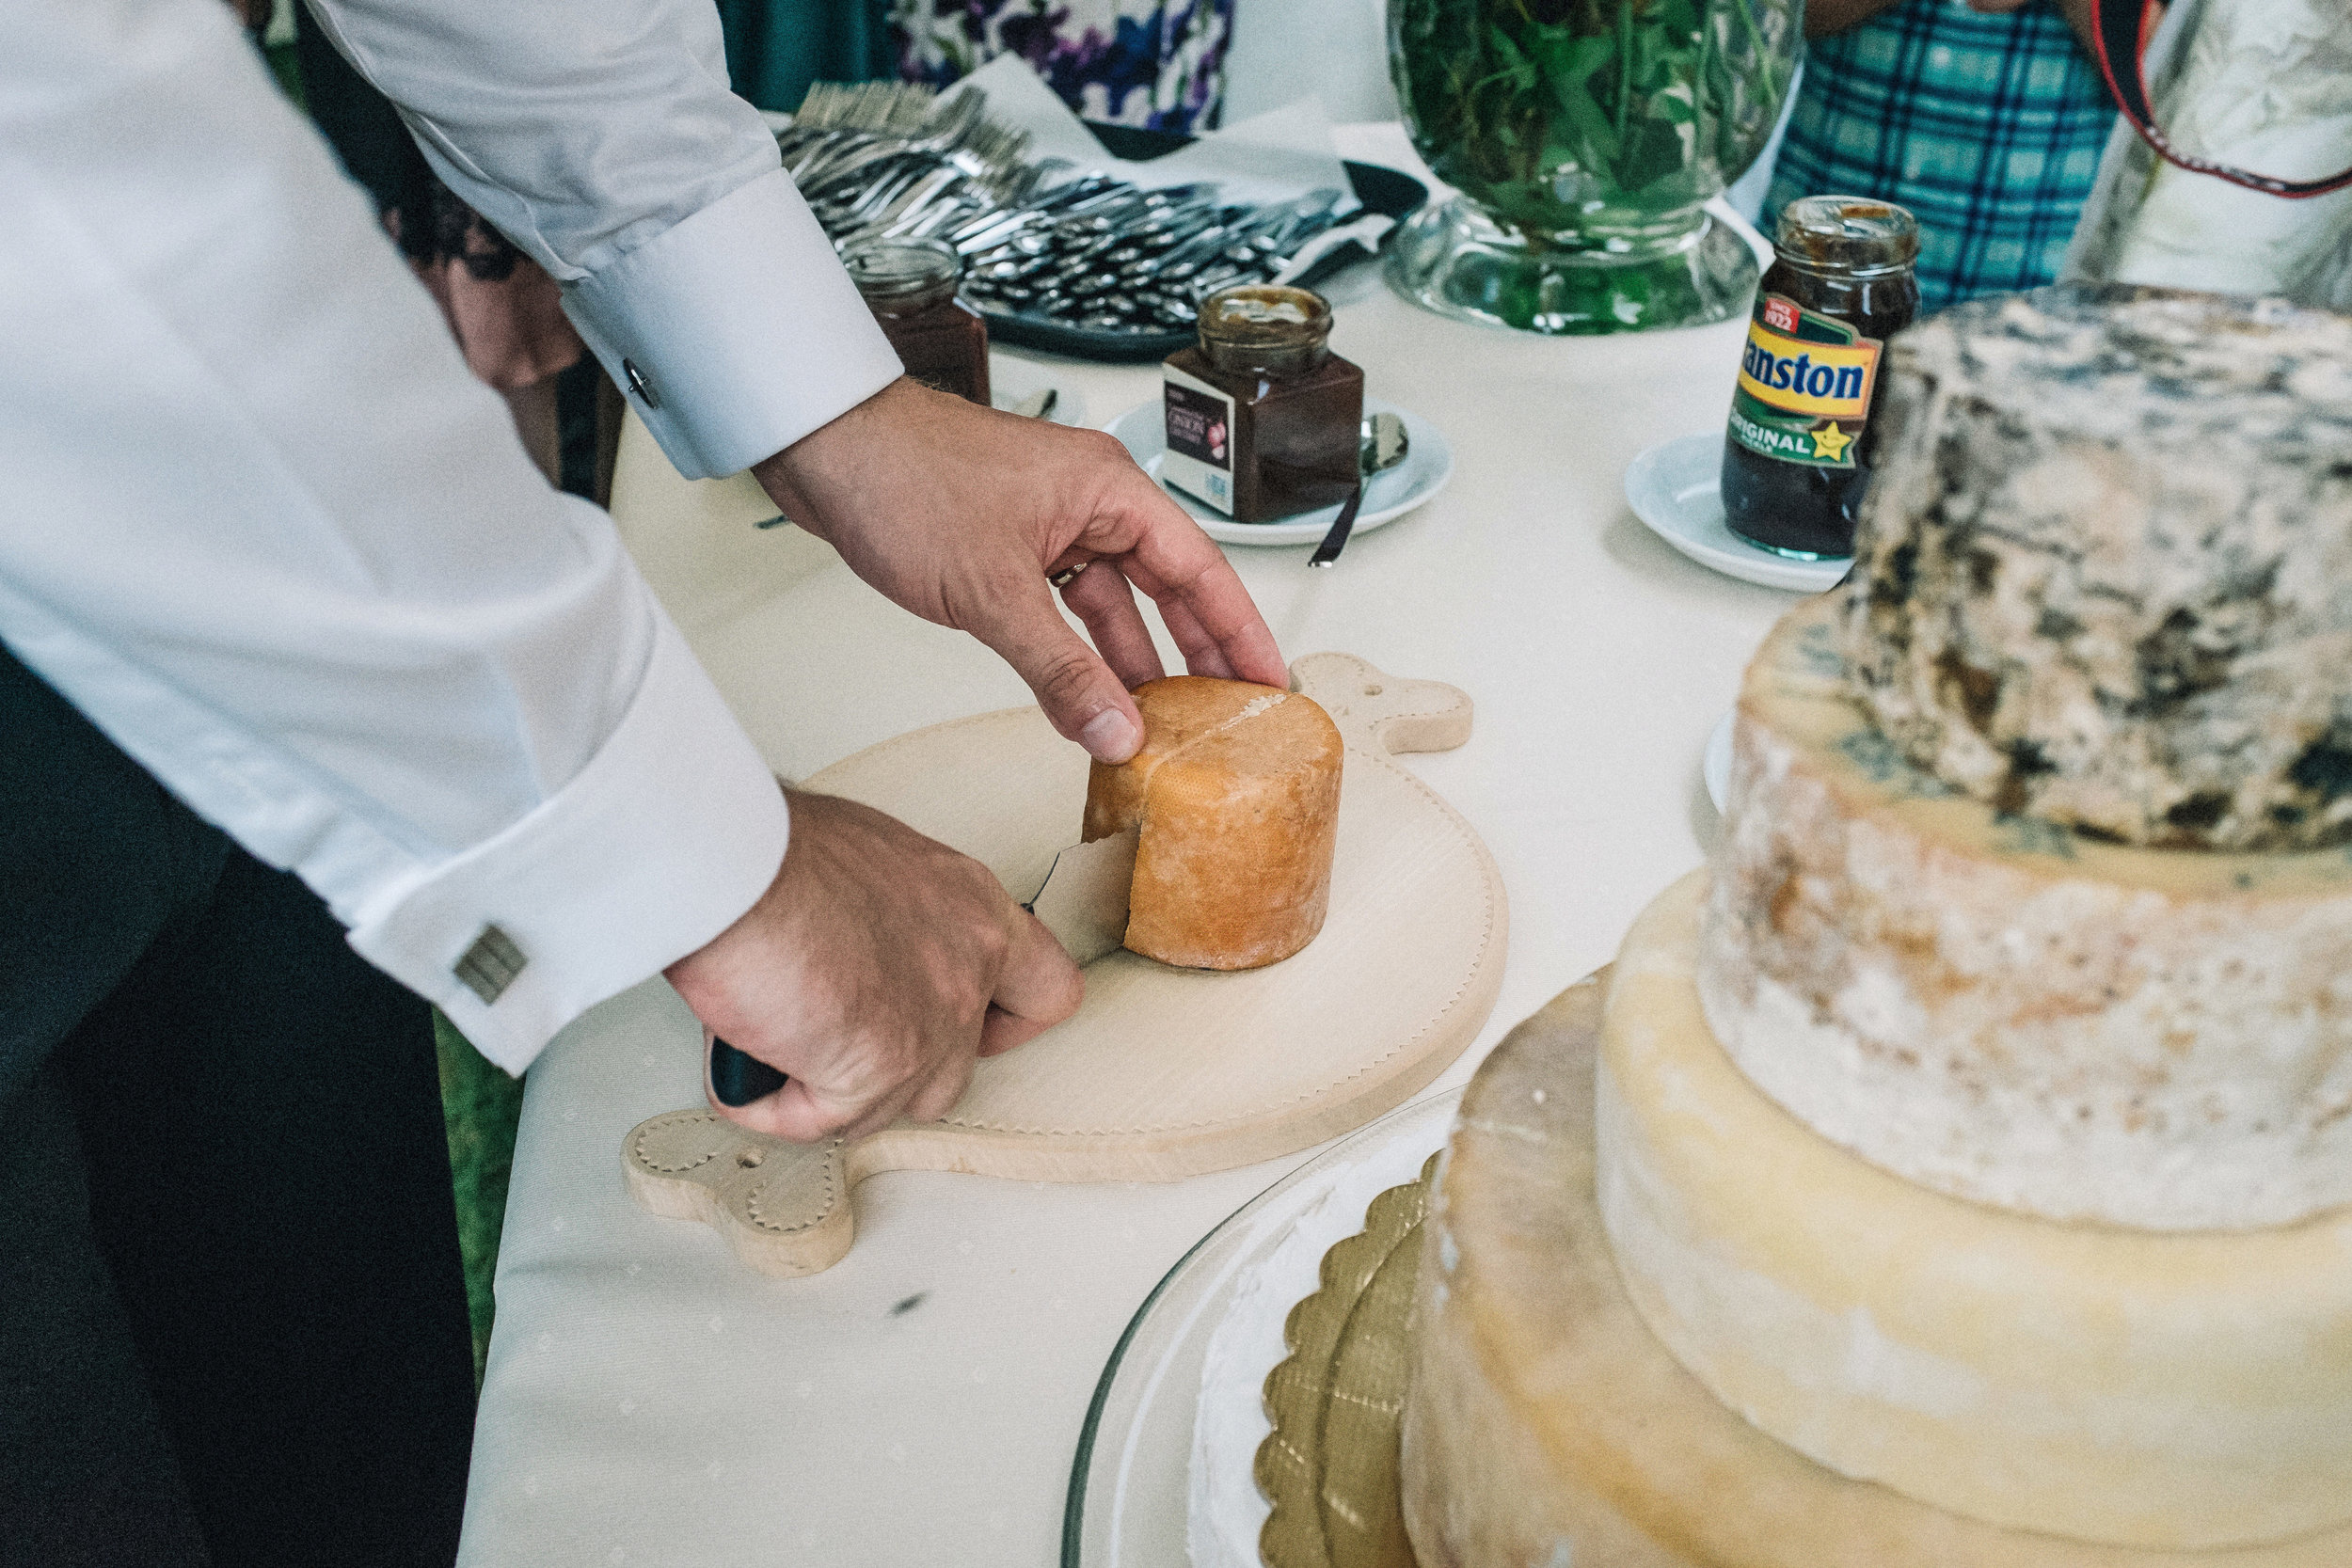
x: 873, y: 972
x: 961, y: 514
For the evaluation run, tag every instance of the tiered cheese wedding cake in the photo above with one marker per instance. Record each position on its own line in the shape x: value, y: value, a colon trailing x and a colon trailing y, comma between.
x: 1965, y: 1176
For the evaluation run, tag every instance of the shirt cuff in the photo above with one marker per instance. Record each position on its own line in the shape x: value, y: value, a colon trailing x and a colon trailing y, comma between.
x: 674, y: 829
x: 741, y: 329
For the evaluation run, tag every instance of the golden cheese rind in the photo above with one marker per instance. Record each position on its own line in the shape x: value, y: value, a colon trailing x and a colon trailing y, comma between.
x: 2012, y: 1013
x: 2175, y: 1392
x: 1238, y: 791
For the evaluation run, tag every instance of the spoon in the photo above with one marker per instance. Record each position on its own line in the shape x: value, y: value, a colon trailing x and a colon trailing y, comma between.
x: 1381, y: 445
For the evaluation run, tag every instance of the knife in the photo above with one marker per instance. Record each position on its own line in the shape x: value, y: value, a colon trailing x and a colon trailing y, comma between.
x: 1083, y: 901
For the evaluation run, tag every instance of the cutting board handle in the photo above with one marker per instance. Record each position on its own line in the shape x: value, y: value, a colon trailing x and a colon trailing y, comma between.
x: 1381, y: 712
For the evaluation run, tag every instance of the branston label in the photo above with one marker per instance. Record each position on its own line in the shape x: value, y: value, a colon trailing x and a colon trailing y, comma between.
x: 1820, y: 379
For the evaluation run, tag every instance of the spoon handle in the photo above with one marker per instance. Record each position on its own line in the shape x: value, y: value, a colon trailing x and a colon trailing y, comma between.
x: 1336, y: 540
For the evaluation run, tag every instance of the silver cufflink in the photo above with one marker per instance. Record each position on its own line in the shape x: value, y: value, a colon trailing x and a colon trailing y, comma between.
x: 638, y: 384
x: 490, y: 965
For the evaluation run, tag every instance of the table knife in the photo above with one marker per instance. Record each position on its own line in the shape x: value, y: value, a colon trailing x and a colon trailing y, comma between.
x: 1083, y: 901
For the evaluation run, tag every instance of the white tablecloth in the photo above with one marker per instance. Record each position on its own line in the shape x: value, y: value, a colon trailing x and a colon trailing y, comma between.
x: 650, y: 1400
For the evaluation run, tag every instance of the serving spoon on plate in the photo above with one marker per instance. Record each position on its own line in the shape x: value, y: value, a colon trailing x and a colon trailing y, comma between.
x: 1381, y: 445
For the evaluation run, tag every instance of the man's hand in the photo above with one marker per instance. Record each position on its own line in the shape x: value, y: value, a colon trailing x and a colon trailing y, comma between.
x: 873, y: 971
x: 960, y: 513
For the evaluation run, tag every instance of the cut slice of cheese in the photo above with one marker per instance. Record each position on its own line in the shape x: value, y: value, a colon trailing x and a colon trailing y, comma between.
x: 1237, y: 792
x: 2182, y: 1391
x: 2004, y: 1011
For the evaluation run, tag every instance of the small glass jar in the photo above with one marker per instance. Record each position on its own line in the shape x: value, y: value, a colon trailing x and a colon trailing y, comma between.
x: 1797, y: 455
x: 1263, y: 419
x: 910, y: 285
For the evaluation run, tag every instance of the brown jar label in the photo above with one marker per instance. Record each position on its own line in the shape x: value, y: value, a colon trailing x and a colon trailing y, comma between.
x: 1804, y: 387
x: 1199, y: 457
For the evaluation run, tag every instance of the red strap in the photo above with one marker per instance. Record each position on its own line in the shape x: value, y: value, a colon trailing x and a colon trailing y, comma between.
x: 2121, y: 32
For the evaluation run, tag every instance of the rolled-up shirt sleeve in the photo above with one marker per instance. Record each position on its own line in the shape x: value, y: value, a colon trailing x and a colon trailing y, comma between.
x: 599, y: 135
x: 262, y: 527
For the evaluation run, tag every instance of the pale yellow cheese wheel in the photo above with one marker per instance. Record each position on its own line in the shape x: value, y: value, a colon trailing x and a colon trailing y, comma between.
x: 1545, y: 1426
x: 2174, y: 1391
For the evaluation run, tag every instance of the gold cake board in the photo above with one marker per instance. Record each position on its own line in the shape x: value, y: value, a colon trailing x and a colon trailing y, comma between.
x: 1541, y: 1412
x: 1328, y: 1467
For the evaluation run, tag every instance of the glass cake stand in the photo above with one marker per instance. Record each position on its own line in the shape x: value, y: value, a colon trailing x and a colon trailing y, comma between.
x: 1130, y: 1483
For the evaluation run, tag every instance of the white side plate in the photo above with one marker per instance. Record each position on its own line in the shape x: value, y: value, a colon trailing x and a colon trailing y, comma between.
x: 1428, y: 464
x: 1676, y: 489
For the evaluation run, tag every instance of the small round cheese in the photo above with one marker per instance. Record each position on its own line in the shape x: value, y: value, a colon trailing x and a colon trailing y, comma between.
x: 1238, y: 791
x: 2175, y: 1392
x: 2104, y: 575
x: 2003, y: 1010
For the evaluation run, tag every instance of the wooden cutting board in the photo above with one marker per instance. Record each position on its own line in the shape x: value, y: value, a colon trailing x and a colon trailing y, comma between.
x: 1164, y: 1073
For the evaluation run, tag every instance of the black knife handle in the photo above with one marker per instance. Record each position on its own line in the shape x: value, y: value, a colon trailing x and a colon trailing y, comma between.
x: 1327, y: 553
x: 738, y: 1079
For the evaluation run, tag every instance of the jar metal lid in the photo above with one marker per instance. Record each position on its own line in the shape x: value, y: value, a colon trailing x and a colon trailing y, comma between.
x: 1848, y: 232
x: 901, y: 276
x: 1265, y: 316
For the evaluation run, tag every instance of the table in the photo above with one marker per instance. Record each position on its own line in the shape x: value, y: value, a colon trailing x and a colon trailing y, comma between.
x: 650, y: 1400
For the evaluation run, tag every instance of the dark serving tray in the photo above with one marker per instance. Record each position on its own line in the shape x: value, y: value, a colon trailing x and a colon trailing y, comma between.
x: 1387, y: 191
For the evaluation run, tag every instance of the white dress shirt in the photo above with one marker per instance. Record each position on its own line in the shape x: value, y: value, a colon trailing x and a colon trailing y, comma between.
x: 260, y: 524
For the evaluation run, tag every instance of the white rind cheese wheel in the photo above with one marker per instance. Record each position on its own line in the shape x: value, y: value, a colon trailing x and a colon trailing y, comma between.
x: 1545, y: 1426
x: 2104, y: 576
x: 2185, y: 1391
x: 2002, y: 1010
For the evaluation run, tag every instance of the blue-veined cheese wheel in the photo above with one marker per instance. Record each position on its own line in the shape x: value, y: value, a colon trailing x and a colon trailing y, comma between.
x: 2006, y: 1011
x: 2104, y: 572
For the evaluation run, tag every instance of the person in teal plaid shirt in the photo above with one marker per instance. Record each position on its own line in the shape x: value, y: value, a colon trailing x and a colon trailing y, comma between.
x: 1986, y: 119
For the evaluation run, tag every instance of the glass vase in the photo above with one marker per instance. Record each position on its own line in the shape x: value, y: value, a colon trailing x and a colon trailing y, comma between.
x: 1585, y: 138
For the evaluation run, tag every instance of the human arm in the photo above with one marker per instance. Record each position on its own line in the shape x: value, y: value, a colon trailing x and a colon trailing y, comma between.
x: 598, y: 136
x: 264, y: 530
x: 1824, y: 17
x: 871, y: 969
x: 959, y: 514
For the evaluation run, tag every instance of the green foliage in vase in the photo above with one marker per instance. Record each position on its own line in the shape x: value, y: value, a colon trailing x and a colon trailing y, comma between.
x: 1553, y: 114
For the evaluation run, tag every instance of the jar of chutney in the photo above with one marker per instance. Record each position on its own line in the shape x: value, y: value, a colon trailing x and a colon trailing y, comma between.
x: 910, y: 285
x: 1263, y: 419
x: 1797, y: 455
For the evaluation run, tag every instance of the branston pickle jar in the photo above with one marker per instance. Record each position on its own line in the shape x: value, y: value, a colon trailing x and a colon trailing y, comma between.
x: 1797, y: 456
x: 1263, y: 419
x: 910, y: 285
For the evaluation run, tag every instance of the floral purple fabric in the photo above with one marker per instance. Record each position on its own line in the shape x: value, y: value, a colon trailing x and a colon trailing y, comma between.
x: 1155, y: 63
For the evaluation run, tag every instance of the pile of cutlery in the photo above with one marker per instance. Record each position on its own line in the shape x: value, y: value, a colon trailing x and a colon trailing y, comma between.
x: 1040, y: 237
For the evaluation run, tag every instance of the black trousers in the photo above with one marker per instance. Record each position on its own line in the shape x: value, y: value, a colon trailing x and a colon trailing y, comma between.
x: 232, y: 1321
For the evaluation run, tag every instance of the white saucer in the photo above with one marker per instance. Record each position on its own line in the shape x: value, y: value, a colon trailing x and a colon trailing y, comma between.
x: 1676, y: 487
x: 1715, y: 762
x: 1428, y: 464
